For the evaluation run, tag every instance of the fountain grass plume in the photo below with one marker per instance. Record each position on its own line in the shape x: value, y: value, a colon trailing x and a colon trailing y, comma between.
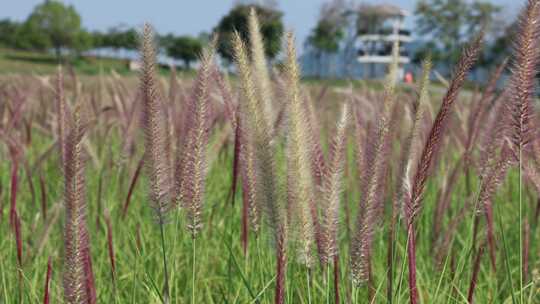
x: 78, y: 276
x: 524, y: 70
x: 372, y: 200
x: 262, y: 141
x: 413, y: 139
x: 332, y: 187
x: 522, y: 86
x: 259, y: 64
x: 192, y: 175
x: 403, y: 180
x: 429, y: 153
x: 432, y: 144
x: 154, y: 128
x: 301, y: 190
x: 265, y: 167
x: 154, y: 134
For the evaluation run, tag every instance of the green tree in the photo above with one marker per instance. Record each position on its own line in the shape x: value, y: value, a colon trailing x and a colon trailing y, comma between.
x: 128, y: 39
x: 450, y: 23
x: 97, y: 38
x: 84, y: 41
x: 271, y: 29
x: 325, y: 39
x: 166, y: 41
x: 58, y: 25
x: 120, y: 37
x: 30, y: 38
x: 8, y: 31
x: 185, y: 48
x: 111, y: 39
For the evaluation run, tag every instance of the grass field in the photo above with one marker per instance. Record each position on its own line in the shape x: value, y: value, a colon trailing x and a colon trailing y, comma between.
x: 119, y: 189
x: 223, y: 273
x: 27, y: 62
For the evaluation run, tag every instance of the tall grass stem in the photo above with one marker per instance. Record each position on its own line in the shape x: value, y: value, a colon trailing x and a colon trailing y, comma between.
x: 166, y: 273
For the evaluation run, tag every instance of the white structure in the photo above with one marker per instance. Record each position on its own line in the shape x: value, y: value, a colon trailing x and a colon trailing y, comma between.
x: 366, y: 50
x: 383, y: 28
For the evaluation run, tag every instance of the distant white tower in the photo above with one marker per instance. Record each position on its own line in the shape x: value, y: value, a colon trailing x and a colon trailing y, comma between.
x: 376, y: 39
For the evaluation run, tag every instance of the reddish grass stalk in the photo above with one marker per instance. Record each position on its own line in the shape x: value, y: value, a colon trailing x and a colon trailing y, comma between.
x: 47, y: 282
x: 110, y: 246
x: 89, y: 282
x: 28, y: 130
x: 476, y: 271
x: 411, y: 253
x: 281, y: 270
x: 16, y: 226
x: 430, y: 152
x: 13, y: 192
x: 43, y: 191
x: 491, y: 238
x: 18, y: 239
x: 134, y: 180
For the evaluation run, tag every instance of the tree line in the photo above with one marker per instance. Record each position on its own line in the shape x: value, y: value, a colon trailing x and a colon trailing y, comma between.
x: 444, y: 25
x: 55, y: 26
